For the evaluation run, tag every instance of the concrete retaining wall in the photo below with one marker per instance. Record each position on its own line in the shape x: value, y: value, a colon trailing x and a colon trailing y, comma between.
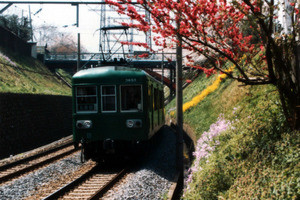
x: 28, y: 121
x: 9, y: 40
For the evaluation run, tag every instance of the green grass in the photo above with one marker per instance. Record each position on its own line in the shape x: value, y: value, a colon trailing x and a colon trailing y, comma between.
x: 258, y: 159
x: 23, y: 74
x: 67, y: 76
x: 207, y: 111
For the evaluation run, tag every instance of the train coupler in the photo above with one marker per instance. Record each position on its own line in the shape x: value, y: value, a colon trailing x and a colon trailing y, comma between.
x: 109, y: 146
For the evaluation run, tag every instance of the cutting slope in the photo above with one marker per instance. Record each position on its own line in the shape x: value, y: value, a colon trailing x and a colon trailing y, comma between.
x: 21, y: 74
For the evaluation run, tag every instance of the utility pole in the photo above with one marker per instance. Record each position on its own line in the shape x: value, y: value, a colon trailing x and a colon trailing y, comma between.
x: 30, y: 23
x: 162, y: 67
x: 78, y: 36
x: 102, y: 47
x: 179, y: 112
x: 78, y: 51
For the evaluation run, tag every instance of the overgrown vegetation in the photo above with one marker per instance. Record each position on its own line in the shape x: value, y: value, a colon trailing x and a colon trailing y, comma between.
x: 230, y: 32
x: 19, y: 26
x: 257, y: 158
x: 21, y: 74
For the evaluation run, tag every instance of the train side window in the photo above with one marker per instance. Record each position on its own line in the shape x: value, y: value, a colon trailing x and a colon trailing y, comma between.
x: 108, y: 97
x: 156, y: 103
x: 86, y: 99
x: 150, y: 98
x: 131, y: 98
x: 162, y: 99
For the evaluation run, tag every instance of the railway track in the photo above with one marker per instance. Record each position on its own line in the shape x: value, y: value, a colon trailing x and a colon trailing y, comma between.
x: 23, y: 166
x: 92, y: 185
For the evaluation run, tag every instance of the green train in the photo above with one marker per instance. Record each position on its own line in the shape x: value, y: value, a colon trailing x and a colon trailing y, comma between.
x: 116, y: 110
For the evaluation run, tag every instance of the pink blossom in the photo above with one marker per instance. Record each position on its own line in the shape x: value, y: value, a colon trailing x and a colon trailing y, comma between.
x: 206, y: 145
x: 7, y: 59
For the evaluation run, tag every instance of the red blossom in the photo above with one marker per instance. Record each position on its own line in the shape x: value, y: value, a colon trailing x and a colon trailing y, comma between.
x: 203, y: 23
x: 144, y: 55
x: 261, y: 47
x: 292, y: 4
x: 208, y: 72
x: 140, y: 44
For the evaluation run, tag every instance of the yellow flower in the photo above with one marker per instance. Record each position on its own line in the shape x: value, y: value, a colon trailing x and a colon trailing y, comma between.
x: 197, y: 99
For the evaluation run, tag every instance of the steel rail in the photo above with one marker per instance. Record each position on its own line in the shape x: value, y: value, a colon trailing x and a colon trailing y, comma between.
x: 68, y: 187
x: 65, y: 189
x: 108, y: 185
x: 30, y: 158
x: 35, y: 166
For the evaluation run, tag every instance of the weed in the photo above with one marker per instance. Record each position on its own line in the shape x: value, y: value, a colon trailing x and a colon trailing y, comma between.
x: 258, y: 159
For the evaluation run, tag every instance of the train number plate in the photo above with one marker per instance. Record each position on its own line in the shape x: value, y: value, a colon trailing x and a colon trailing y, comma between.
x: 130, y: 80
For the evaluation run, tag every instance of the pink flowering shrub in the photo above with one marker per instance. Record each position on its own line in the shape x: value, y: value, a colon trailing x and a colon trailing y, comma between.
x: 6, y: 60
x: 257, y: 159
x: 206, y: 145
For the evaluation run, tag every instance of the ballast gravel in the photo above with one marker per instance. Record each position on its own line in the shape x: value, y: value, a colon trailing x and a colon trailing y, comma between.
x: 26, y: 185
x: 154, y: 177
x: 151, y: 179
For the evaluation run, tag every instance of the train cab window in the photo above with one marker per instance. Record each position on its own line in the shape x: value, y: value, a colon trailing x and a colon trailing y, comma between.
x: 86, y: 99
x: 108, y: 95
x: 131, y: 98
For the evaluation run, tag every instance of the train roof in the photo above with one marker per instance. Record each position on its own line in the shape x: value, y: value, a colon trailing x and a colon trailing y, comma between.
x: 110, y: 74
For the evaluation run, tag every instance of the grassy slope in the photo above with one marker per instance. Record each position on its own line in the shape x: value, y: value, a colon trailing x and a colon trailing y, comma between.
x: 20, y: 74
x: 258, y: 159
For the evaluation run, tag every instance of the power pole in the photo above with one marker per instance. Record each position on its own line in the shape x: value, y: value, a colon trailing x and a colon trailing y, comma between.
x: 30, y: 23
x: 78, y: 36
x: 179, y: 112
x: 78, y: 51
x: 102, y: 47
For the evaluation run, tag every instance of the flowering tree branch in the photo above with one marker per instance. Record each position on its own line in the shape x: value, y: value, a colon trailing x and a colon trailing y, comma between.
x: 224, y: 31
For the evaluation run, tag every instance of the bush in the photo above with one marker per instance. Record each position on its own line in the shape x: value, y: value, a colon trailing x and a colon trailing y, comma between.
x: 258, y: 159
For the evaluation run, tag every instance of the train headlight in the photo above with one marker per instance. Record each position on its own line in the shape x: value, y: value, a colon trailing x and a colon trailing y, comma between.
x: 87, y: 124
x: 84, y: 124
x: 134, y: 123
x: 130, y: 123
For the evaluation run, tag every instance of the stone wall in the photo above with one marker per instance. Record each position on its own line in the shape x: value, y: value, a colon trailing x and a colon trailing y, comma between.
x: 28, y: 121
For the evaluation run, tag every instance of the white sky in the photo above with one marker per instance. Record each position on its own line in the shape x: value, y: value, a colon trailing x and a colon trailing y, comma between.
x: 65, y: 14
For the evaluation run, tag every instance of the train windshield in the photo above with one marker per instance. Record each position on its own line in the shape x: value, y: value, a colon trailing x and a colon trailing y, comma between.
x: 131, y: 98
x: 86, y: 99
x: 108, y: 94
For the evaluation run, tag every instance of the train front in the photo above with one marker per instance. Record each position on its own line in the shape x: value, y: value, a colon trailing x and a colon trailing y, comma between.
x: 109, y: 106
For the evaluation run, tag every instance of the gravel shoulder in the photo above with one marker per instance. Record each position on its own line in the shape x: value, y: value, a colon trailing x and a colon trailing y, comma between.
x: 154, y: 177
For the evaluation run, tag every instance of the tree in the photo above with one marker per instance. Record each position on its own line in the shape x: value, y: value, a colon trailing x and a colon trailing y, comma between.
x: 224, y: 31
x: 19, y: 26
x: 56, y: 41
x: 64, y: 43
x: 45, y: 34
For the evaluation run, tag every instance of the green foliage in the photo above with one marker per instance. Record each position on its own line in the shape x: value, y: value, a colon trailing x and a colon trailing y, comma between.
x: 20, y: 74
x: 271, y: 174
x: 192, y: 116
x: 19, y: 26
x: 258, y: 159
x: 66, y: 75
